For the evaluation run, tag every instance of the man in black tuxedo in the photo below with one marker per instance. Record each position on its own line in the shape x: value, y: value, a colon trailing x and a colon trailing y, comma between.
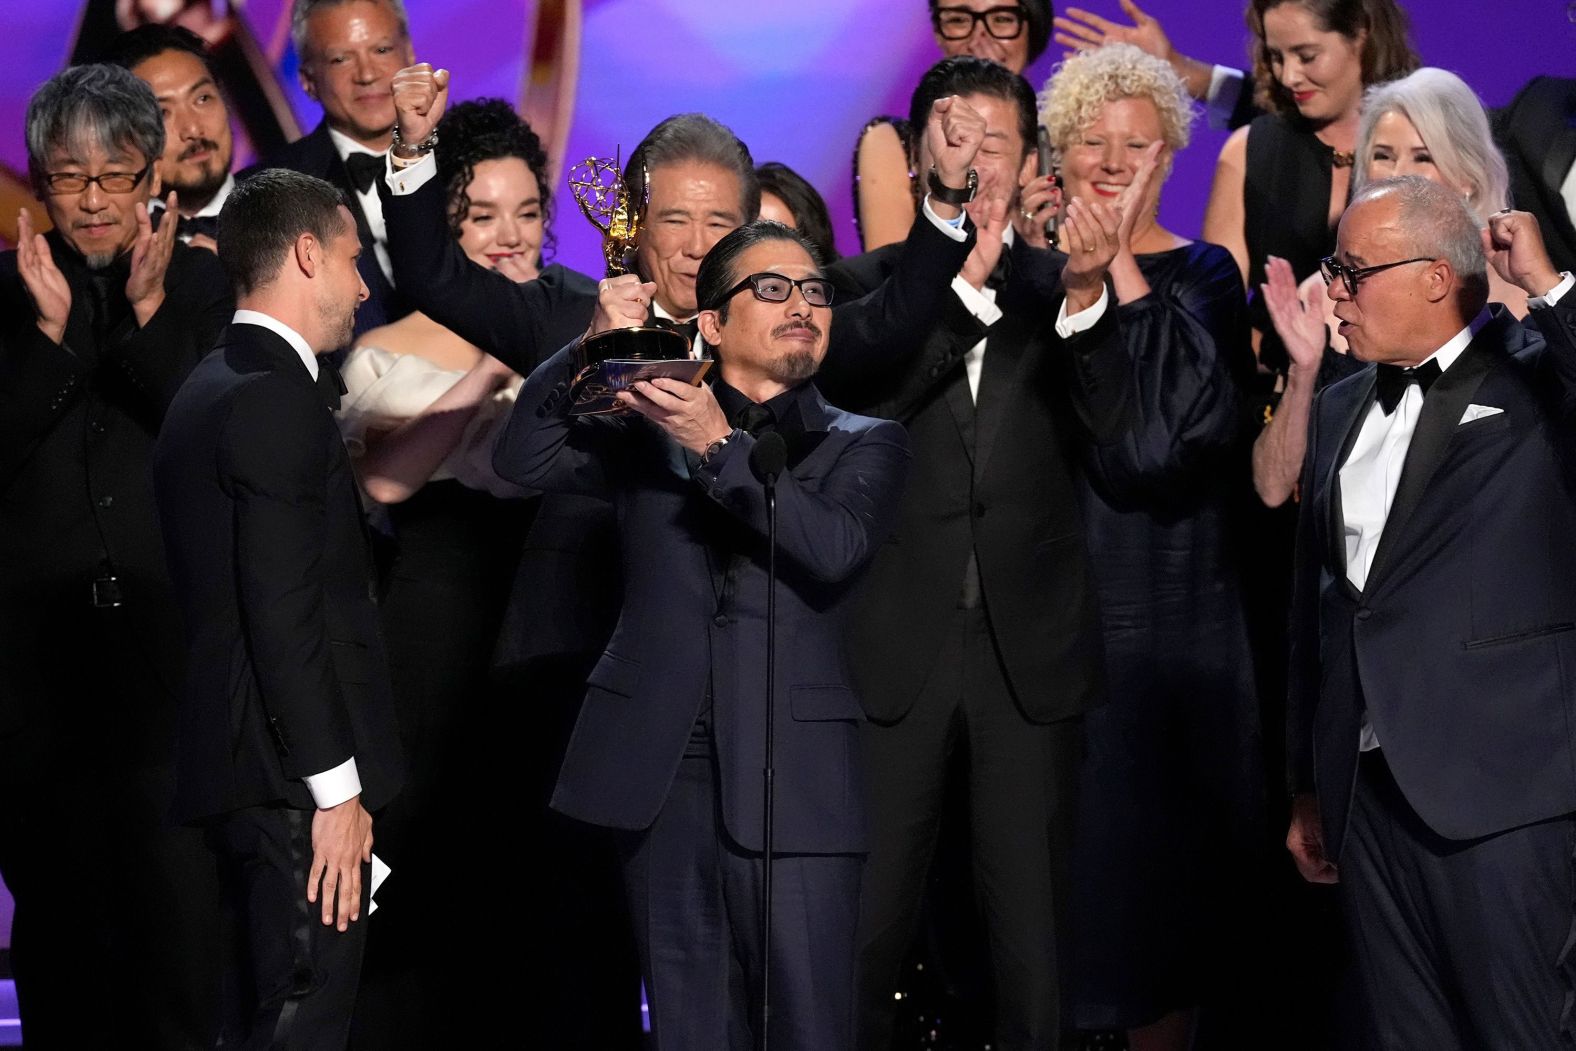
x: 1431, y: 711
x: 977, y: 630
x: 349, y: 51
x: 669, y: 745
x: 100, y: 321
x: 287, y: 735
x: 1537, y: 133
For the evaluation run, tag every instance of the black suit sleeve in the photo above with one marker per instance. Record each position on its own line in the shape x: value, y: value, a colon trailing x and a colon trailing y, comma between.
x: 831, y: 531
x: 274, y: 465
x: 508, y: 320
x: 1101, y: 379
x: 878, y: 331
x: 543, y: 448
x: 39, y: 382
x: 156, y: 358
x: 1303, y: 669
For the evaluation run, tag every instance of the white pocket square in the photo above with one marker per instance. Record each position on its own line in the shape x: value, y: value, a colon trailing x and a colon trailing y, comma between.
x: 1477, y: 412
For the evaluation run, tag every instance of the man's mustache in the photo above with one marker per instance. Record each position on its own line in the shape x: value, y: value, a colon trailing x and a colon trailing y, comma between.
x: 197, y: 147
x: 792, y: 327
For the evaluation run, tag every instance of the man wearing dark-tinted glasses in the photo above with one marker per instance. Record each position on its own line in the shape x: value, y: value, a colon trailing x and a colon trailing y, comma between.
x: 100, y: 321
x: 668, y: 749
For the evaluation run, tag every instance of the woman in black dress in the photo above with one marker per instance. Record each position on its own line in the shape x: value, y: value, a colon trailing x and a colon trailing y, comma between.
x: 1170, y: 794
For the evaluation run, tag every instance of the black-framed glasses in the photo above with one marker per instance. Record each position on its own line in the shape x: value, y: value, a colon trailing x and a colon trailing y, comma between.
x: 957, y: 23
x: 775, y: 288
x: 1351, y: 277
x: 109, y: 182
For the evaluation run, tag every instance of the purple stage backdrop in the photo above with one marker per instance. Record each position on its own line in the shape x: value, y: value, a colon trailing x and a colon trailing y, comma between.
x: 796, y: 81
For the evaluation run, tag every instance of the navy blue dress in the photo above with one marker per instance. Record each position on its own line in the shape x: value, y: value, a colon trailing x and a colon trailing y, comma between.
x: 1171, y: 796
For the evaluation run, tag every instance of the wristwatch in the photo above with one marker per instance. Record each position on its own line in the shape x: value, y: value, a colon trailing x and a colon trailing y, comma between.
x: 714, y: 448
x: 946, y: 194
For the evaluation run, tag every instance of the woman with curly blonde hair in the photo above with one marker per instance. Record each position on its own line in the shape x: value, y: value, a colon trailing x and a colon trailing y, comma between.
x: 1169, y: 793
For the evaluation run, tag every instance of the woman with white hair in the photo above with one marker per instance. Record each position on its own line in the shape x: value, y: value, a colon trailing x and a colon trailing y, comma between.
x: 1169, y: 792
x: 1429, y: 123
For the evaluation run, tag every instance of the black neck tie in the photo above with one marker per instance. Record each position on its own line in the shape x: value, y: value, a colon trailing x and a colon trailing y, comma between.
x: 364, y: 169
x: 189, y: 226
x: 755, y: 418
x: 1001, y: 271
x: 1394, y: 379
x: 329, y: 382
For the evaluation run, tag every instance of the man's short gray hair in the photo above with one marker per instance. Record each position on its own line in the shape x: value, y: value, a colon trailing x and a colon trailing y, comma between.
x: 1437, y: 222
x: 301, y: 10
x: 697, y: 137
x: 86, y: 106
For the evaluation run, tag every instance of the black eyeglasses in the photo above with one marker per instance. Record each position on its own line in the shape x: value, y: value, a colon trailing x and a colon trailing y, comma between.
x: 61, y: 183
x: 775, y: 288
x: 1353, y: 276
x: 957, y: 23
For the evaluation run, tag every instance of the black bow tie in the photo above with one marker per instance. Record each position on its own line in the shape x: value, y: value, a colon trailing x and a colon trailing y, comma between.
x: 364, y: 169
x: 1393, y: 381
x: 189, y: 226
x: 330, y: 383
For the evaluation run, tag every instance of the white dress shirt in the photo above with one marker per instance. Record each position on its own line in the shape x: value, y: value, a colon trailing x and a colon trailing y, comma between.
x: 331, y: 787
x: 371, y: 205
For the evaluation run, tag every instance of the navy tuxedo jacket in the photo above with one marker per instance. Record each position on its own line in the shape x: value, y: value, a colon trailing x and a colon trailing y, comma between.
x: 694, y: 611
x: 262, y: 522
x: 1462, y: 645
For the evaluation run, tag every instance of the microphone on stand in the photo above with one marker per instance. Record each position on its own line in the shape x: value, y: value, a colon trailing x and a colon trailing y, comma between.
x: 767, y: 461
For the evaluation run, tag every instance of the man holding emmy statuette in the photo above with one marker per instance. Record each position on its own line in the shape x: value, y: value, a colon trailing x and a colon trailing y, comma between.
x: 669, y: 745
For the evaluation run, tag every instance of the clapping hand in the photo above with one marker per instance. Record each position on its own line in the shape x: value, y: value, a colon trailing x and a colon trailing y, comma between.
x: 46, y: 286
x: 989, y: 213
x: 150, y: 260
x: 1301, y: 330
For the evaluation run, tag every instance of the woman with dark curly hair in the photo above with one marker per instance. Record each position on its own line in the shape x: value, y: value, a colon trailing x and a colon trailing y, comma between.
x: 419, y: 412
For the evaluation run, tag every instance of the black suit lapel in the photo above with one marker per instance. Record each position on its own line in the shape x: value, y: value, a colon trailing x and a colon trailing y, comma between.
x: 1436, y: 424
x: 1560, y: 150
x: 961, y: 402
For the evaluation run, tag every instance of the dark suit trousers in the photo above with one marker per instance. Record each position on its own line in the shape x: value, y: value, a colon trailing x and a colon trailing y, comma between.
x: 1022, y: 780
x: 292, y: 983
x: 1460, y: 944
x: 695, y: 899
x: 116, y: 928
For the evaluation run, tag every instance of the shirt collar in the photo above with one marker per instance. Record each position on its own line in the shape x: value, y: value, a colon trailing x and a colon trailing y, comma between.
x: 344, y: 145
x: 297, y: 342
x: 783, y: 405
x: 656, y: 308
x: 213, y: 207
x: 1447, y: 354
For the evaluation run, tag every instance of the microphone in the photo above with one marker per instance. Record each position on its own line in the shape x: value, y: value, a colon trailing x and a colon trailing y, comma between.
x: 768, y: 458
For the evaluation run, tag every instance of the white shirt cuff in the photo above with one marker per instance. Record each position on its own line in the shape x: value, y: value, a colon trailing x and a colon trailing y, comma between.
x: 953, y: 228
x: 1067, y: 327
x: 333, y: 787
x: 1555, y: 294
x: 408, y: 180
x: 1225, y: 88
x: 976, y: 302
